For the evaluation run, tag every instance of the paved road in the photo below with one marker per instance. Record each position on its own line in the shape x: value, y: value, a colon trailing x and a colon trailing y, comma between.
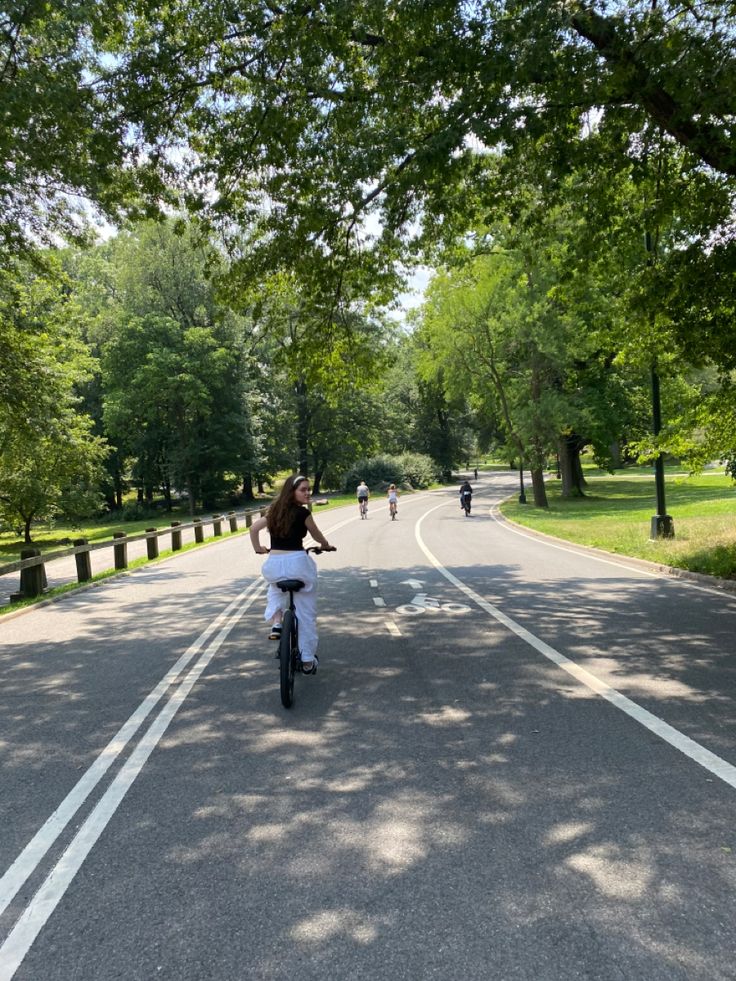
x: 515, y: 762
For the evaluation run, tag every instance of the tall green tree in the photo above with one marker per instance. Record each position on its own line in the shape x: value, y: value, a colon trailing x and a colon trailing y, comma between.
x: 175, y: 366
x: 523, y: 323
x: 71, y: 131
x: 325, y: 361
x: 173, y: 399
x: 50, y: 460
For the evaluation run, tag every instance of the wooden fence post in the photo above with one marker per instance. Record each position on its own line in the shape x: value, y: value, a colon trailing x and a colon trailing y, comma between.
x: 233, y: 519
x: 217, y: 524
x: 198, y: 530
x: 32, y: 580
x: 84, y: 563
x: 121, y: 550
x: 175, y: 536
x: 152, y: 543
x: 248, y: 520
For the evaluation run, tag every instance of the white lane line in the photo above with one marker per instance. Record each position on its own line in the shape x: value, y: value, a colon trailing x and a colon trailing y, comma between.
x: 27, y: 861
x: 392, y: 628
x: 374, y: 583
x: 699, y: 754
x: 379, y: 601
x: 25, y: 931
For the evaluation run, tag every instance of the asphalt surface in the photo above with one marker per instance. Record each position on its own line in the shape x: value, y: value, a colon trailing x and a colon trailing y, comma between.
x: 515, y: 762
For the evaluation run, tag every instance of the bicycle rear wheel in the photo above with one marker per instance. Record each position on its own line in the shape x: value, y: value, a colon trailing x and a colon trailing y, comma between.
x: 287, y: 658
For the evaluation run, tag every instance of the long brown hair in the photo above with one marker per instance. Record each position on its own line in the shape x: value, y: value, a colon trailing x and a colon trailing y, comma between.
x: 280, y: 516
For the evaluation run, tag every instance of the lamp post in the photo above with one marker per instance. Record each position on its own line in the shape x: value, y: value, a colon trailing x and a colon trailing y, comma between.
x: 662, y: 525
x: 522, y: 495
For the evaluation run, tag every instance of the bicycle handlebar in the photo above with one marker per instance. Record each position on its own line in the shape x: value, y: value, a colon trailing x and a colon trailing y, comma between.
x: 317, y: 549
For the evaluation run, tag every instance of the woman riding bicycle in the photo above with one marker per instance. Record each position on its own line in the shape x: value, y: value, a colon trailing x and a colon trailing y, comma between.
x: 288, y: 520
x: 393, y: 500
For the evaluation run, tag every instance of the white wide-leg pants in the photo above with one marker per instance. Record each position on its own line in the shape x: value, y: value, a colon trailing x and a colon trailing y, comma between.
x: 294, y: 565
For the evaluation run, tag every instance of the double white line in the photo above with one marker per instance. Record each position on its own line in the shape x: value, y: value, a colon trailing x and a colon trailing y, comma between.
x: 42, y: 905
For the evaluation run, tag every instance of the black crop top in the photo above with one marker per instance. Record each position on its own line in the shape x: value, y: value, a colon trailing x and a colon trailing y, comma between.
x: 293, y: 541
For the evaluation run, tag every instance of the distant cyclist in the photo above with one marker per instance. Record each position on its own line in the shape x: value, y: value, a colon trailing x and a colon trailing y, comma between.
x: 466, y: 496
x: 363, y: 494
x: 393, y: 501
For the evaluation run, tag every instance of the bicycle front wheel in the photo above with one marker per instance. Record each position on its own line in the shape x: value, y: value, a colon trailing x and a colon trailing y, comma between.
x: 287, y: 658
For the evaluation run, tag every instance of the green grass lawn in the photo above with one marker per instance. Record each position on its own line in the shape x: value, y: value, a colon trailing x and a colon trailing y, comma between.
x: 617, y: 512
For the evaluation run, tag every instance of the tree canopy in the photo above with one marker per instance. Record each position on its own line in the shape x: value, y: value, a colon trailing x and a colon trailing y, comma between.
x: 298, y: 120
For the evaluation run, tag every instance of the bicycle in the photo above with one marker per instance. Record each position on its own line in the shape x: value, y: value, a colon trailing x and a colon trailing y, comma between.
x: 466, y: 504
x: 393, y: 507
x: 290, y: 659
x: 363, y: 508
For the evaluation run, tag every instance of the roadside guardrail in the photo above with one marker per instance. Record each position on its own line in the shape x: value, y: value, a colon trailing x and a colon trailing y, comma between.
x: 32, y: 564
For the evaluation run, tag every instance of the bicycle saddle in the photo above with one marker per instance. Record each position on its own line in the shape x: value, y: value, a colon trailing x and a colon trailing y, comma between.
x: 290, y: 585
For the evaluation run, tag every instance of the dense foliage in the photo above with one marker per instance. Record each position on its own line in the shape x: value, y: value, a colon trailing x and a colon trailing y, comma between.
x: 567, y: 168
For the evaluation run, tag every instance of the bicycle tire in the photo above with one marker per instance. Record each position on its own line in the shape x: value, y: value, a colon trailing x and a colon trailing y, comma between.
x: 287, y: 659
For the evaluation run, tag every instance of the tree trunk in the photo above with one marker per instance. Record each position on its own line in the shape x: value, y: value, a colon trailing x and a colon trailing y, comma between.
x: 317, y: 479
x: 27, y: 530
x: 260, y: 485
x: 248, y: 486
x: 538, y: 488
x: 167, y: 494
x: 302, y: 427
x: 118, y: 485
x: 615, y: 455
x: 578, y: 469
x: 571, y: 469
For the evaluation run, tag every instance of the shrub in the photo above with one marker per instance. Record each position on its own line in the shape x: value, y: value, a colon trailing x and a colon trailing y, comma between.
x: 410, y: 469
x: 419, y: 470
x: 135, y: 511
x: 376, y: 471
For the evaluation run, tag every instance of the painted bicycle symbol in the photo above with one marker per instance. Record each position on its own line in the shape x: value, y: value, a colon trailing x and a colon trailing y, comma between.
x: 421, y: 603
